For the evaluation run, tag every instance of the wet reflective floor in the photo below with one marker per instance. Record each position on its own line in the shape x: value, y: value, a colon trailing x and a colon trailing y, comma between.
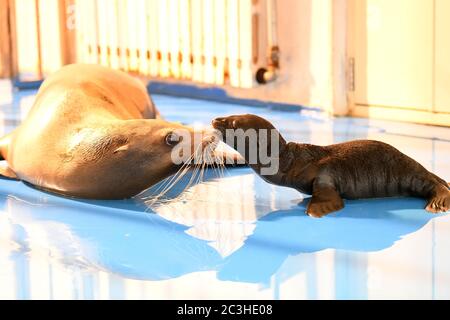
x: 232, y: 236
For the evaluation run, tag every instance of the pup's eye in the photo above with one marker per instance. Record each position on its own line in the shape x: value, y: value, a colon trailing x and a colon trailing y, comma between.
x: 172, y: 139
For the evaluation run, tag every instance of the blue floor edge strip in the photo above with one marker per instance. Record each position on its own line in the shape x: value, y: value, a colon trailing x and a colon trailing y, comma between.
x: 218, y: 95
x: 26, y: 85
x: 194, y: 92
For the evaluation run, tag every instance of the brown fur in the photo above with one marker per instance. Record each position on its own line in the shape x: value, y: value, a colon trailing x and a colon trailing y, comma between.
x: 351, y: 170
x: 93, y: 133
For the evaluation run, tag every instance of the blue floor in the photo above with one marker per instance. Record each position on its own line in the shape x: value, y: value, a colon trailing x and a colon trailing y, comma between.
x: 232, y: 236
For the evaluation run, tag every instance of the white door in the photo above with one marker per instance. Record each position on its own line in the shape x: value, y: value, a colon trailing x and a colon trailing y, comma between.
x: 394, y: 53
x: 442, y: 74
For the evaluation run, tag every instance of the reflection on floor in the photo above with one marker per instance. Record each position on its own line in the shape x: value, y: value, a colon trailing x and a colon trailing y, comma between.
x: 231, y: 236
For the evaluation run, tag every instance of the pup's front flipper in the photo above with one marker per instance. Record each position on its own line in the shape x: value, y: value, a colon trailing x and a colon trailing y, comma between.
x: 325, y: 199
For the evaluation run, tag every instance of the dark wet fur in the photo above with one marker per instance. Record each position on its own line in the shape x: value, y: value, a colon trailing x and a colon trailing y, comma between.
x: 351, y: 170
x: 360, y: 169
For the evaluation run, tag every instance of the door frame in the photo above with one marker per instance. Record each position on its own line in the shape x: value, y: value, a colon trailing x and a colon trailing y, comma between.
x: 377, y: 112
x: 8, y: 48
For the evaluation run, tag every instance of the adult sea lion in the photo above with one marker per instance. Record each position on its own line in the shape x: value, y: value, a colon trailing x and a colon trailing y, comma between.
x: 93, y: 132
x: 350, y: 170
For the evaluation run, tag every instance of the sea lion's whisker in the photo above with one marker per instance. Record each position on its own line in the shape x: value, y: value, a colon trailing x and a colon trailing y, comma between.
x: 195, y: 175
x: 223, y: 169
x: 196, y: 168
x: 171, y: 182
x: 199, y: 170
x: 202, y: 170
x: 164, y: 183
x: 217, y: 164
x: 170, y: 186
x: 184, y: 169
x: 184, y: 166
x: 200, y: 159
x: 220, y: 167
x: 157, y: 198
x: 192, y: 181
x: 212, y: 159
x: 181, y: 173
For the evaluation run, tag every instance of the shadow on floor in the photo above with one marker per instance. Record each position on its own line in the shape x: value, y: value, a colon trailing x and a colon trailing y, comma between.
x: 362, y: 226
x: 142, y: 245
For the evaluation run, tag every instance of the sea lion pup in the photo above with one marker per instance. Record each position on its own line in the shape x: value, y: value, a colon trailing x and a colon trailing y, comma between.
x: 94, y: 132
x: 350, y: 170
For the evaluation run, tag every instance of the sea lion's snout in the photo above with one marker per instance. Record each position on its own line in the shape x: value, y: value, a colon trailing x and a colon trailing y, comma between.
x: 210, y: 138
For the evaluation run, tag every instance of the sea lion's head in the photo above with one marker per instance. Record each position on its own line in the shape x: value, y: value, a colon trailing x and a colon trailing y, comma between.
x: 164, y: 147
x: 129, y: 157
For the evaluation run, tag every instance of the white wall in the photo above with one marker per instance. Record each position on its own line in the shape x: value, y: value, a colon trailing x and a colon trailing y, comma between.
x: 305, y: 39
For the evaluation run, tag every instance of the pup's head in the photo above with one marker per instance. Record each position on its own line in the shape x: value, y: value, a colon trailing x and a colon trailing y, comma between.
x: 236, y: 127
x: 255, y: 138
x: 244, y: 122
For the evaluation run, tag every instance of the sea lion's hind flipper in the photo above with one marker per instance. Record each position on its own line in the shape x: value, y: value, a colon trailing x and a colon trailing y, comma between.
x: 439, y: 201
x: 6, y: 171
x: 325, y: 199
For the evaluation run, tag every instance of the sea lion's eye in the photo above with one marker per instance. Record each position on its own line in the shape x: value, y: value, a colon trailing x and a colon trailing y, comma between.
x: 172, y: 139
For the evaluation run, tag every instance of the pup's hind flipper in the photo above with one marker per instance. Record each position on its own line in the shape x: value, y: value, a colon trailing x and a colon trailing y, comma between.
x: 439, y: 201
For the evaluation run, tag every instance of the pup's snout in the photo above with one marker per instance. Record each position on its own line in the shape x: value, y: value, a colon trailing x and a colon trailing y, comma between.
x: 219, y: 123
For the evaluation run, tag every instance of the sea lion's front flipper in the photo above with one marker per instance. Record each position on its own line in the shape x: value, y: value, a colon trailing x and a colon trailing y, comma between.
x: 325, y: 199
x: 5, y: 141
x: 7, y: 172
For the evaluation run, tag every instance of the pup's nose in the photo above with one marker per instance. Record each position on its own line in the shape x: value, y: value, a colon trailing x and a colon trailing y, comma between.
x: 218, y: 122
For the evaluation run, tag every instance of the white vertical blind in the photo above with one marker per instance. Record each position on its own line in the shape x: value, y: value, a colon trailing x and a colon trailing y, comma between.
x: 207, y: 41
